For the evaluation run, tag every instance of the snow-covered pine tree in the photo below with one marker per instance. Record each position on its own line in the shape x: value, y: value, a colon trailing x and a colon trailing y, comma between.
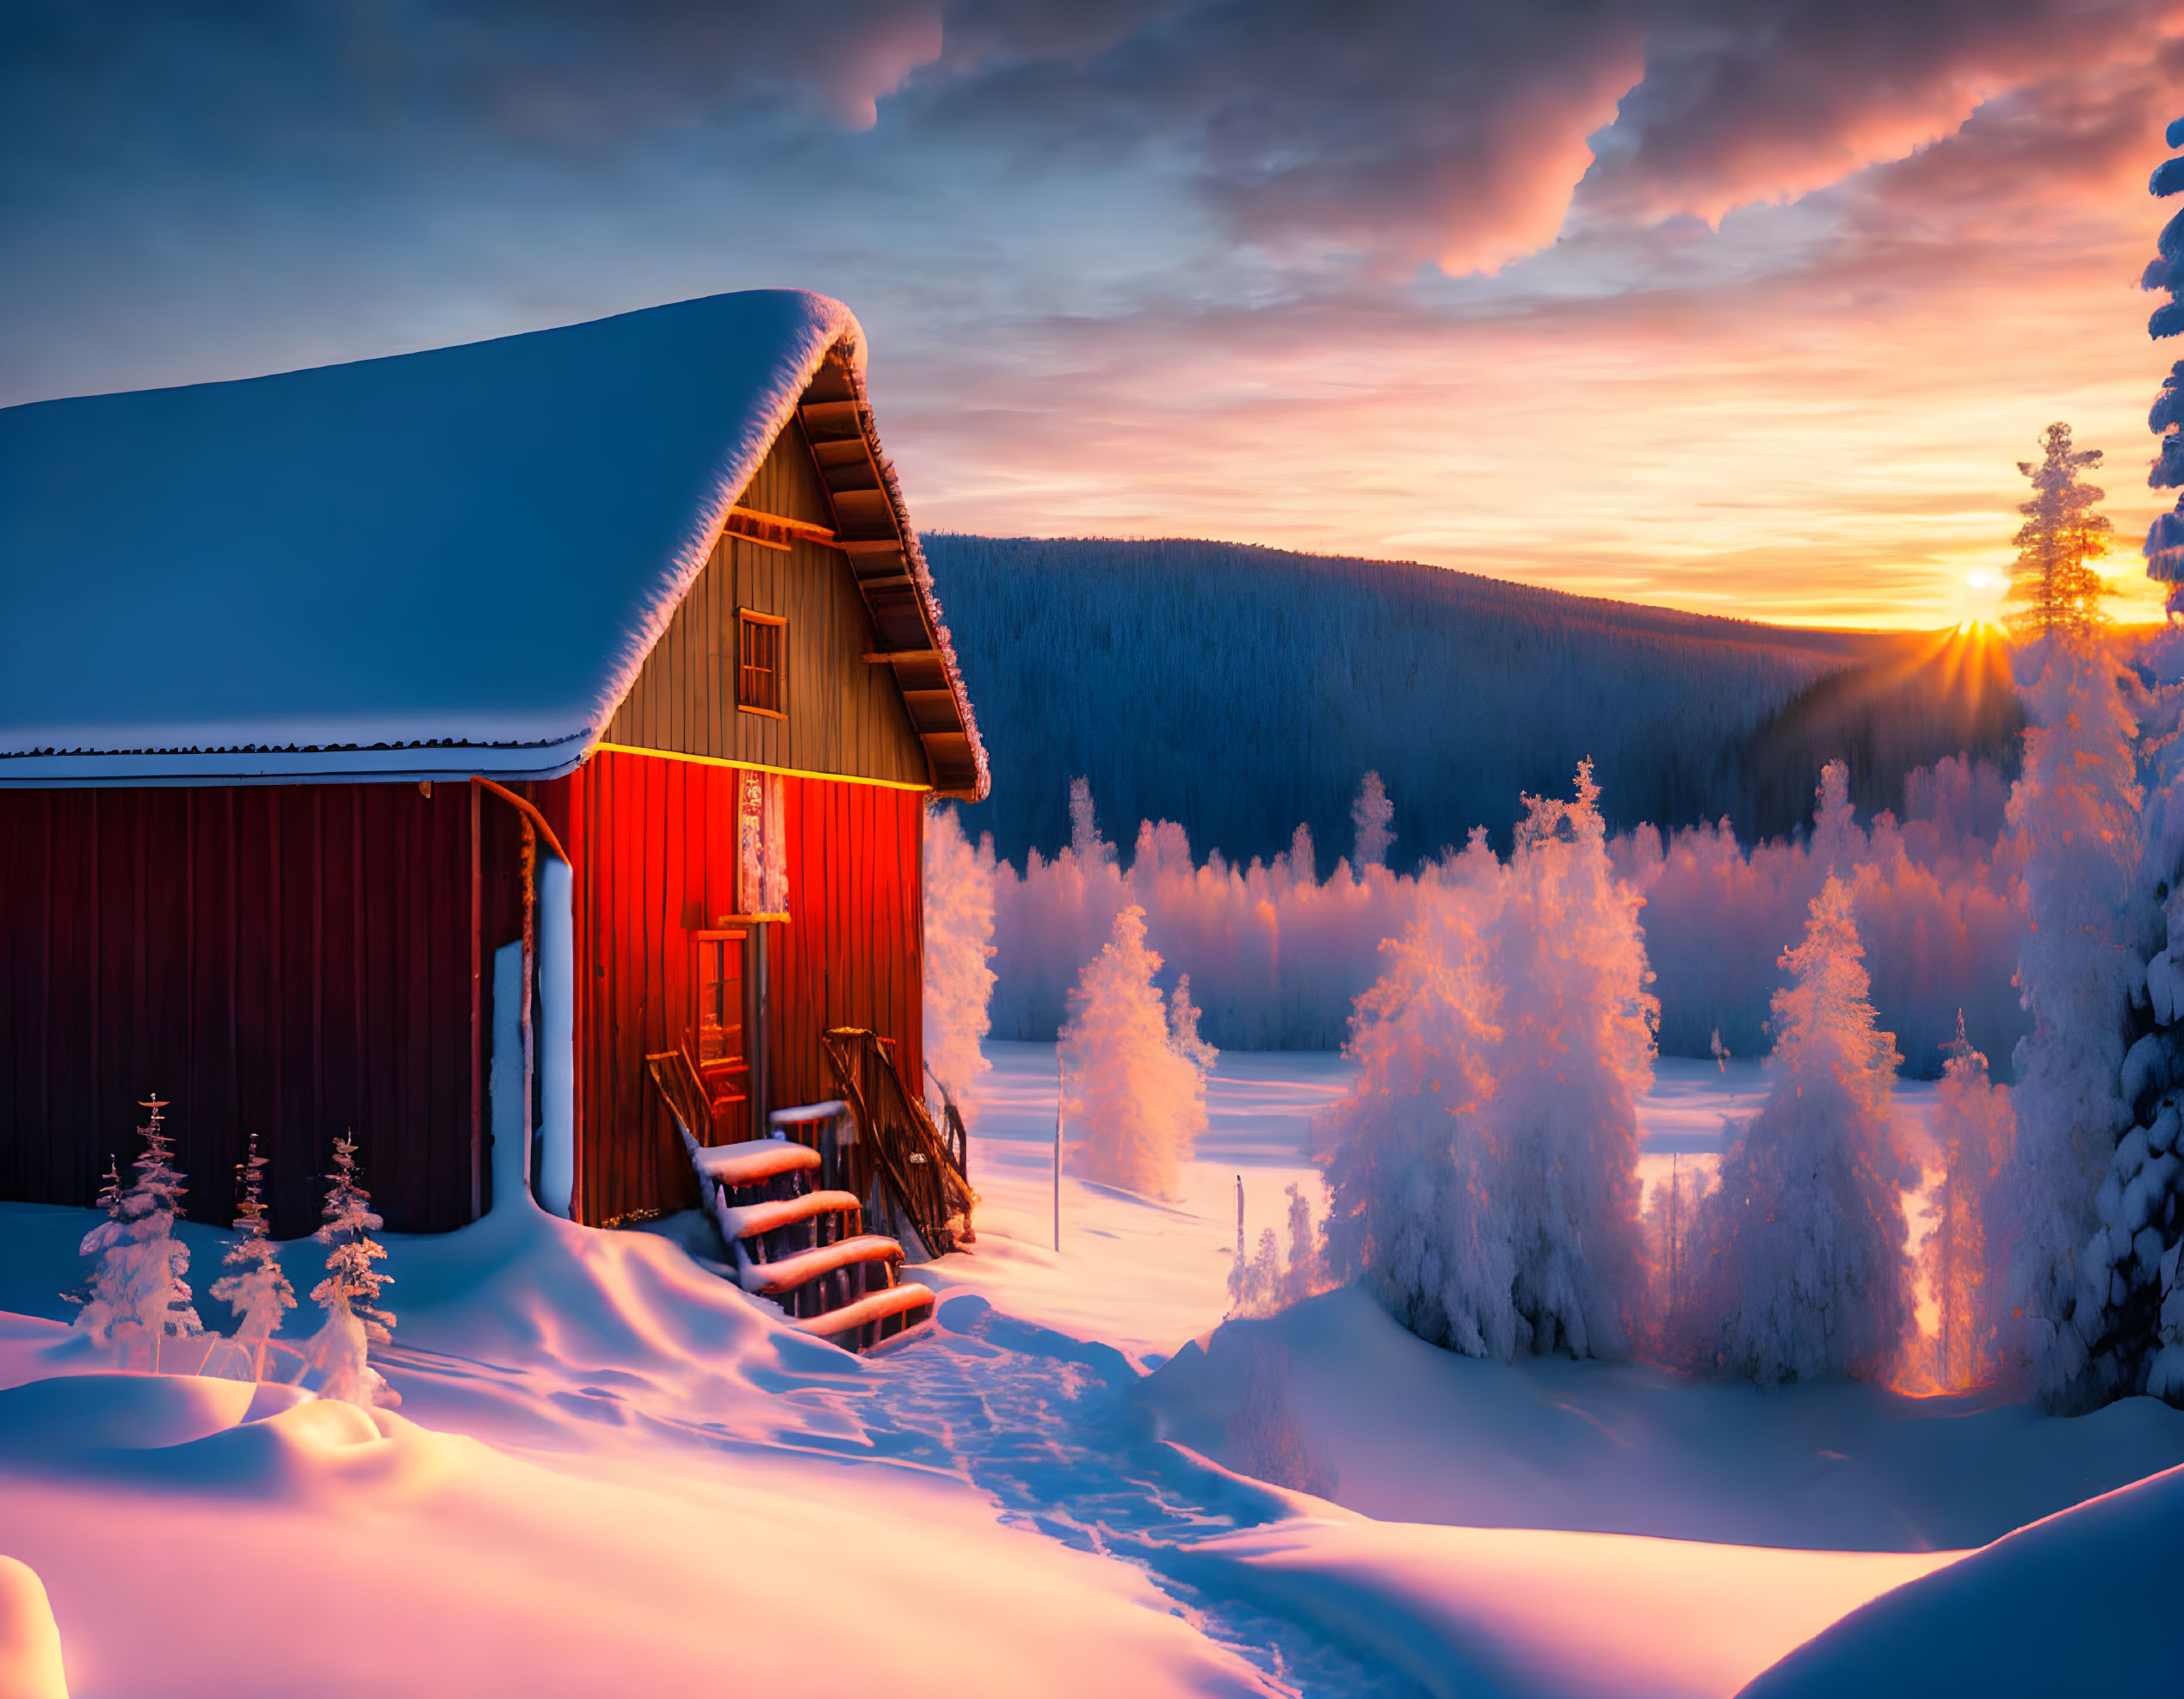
x: 1798, y: 1253
x: 958, y: 944
x: 1413, y: 1180
x: 2141, y: 1200
x: 2164, y: 545
x: 2076, y: 809
x: 1575, y: 1055
x: 2054, y: 583
x: 1137, y: 1101
x: 257, y: 1291
x: 349, y: 1292
x: 2138, y: 1202
x: 1974, y: 1129
x: 1485, y: 1175
x: 140, y: 1290
x: 1839, y: 843
x: 1373, y: 816
x: 1182, y: 1032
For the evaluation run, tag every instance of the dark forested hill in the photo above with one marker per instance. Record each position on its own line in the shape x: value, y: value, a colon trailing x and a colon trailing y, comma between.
x: 1241, y: 690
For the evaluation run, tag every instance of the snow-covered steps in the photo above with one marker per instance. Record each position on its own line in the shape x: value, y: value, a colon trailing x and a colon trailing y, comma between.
x: 754, y: 1162
x: 873, y: 1311
x: 749, y: 1220
x: 802, y: 1247
x: 788, y: 1273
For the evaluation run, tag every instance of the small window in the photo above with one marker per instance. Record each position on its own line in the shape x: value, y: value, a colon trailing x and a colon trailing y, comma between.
x: 761, y: 639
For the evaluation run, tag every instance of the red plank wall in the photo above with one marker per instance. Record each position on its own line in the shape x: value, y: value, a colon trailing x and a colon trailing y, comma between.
x: 293, y: 960
x: 653, y: 839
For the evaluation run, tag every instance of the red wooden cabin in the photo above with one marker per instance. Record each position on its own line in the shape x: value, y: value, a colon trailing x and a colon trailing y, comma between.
x: 414, y: 746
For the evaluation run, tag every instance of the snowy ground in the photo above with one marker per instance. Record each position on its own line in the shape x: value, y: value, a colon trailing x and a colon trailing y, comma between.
x: 613, y: 1472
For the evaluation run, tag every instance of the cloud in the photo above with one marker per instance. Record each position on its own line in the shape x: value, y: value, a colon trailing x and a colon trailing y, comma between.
x: 1397, y: 132
x: 1757, y: 100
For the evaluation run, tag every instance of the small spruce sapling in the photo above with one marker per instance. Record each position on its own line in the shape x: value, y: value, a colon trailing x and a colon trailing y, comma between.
x: 140, y: 1290
x: 1137, y: 1069
x: 258, y: 1291
x: 349, y: 1292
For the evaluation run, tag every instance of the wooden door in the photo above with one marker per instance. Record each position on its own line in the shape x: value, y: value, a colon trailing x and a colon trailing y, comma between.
x: 721, y: 1024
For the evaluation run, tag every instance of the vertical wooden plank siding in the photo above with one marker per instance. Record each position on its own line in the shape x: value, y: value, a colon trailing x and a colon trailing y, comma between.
x: 844, y: 715
x: 290, y: 959
x: 653, y: 841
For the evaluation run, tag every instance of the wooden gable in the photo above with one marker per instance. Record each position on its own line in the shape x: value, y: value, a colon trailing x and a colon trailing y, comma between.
x: 843, y: 713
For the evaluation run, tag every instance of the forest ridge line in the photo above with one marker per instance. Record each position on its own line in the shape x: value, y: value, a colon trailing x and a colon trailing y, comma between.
x: 1241, y: 691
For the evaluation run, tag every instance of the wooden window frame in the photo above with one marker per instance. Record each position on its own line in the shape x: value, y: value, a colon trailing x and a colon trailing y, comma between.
x: 746, y: 619
x: 727, y: 1085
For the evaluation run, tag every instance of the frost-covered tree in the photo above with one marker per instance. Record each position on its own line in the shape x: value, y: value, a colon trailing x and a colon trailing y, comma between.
x: 349, y: 1294
x: 2142, y: 1215
x: 2164, y: 545
x: 1799, y: 1255
x: 140, y: 1290
x: 2130, y: 1257
x: 958, y: 945
x: 2076, y: 812
x: 1136, y: 1098
x: 2054, y: 583
x: 257, y: 1291
x: 1485, y: 1177
x: 1374, y: 815
x: 1261, y: 1284
x: 1974, y: 1130
x: 1414, y: 1180
x: 1576, y: 1053
x: 1182, y: 1028
x: 1838, y: 843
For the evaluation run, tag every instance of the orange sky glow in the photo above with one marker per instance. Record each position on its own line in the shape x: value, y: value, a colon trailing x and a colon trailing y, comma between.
x: 1835, y: 444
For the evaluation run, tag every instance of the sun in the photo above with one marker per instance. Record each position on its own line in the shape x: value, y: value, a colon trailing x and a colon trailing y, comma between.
x: 1979, y: 602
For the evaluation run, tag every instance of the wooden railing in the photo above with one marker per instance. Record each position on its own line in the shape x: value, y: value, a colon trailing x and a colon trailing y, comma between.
x: 898, y: 1145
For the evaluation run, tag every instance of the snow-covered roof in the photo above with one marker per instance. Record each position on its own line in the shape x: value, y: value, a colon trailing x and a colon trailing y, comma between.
x: 429, y: 565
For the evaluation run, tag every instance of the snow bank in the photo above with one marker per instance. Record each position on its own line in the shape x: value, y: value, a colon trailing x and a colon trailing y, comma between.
x: 652, y: 1472
x: 30, y: 1651
x: 499, y: 1576
x: 1414, y: 1434
x: 1472, y: 1613
x: 2072, y: 1604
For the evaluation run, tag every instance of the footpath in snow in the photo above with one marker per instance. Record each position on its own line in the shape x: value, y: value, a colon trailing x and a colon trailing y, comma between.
x: 613, y: 1472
